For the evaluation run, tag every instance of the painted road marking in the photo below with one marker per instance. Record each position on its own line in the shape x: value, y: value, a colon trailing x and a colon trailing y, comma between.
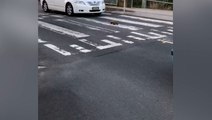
x: 87, y: 25
x: 156, y: 36
x: 57, y: 49
x: 134, y: 37
x: 164, y: 32
x: 118, y: 38
x: 114, y: 37
x: 81, y: 49
x: 164, y: 41
x: 170, y: 30
x: 170, y: 27
x: 127, y: 41
x: 147, y: 19
x: 101, y: 47
x: 41, y: 67
x: 62, y: 30
x: 93, y: 28
x: 168, y: 33
x: 108, y: 24
x: 41, y: 41
x: 88, y: 42
x: 143, y: 35
x: 110, y: 45
x: 132, y: 22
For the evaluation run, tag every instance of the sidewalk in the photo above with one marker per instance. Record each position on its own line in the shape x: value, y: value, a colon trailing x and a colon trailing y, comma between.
x: 150, y: 13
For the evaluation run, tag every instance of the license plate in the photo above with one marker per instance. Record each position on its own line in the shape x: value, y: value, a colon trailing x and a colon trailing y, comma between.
x: 95, y: 8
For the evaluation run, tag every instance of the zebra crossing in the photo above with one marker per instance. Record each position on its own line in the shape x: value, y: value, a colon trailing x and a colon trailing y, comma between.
x: 129, y: 31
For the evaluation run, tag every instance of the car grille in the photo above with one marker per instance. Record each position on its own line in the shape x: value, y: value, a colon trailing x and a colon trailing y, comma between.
x: 97, y: 3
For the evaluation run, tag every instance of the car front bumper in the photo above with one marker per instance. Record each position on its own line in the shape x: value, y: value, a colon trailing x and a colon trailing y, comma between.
x: 89, y: 9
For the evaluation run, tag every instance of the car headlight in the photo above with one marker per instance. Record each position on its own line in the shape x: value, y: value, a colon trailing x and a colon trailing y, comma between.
x: 80, y: 2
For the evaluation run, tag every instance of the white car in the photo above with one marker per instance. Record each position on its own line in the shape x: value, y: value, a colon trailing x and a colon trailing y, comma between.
x: 74, y: 6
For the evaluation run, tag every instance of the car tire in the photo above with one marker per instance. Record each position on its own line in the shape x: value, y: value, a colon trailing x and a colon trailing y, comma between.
x: 45, y: 6
x: 69, y: 9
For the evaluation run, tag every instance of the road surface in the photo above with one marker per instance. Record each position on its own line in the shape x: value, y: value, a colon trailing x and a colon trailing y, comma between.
x: 90, y: 69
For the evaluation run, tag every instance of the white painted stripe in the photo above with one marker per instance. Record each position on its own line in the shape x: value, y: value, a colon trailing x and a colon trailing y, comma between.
x: 114, y: 37
x: 88, y: 42
x: 81, y: 49
x: 93, y: 28
x: 134, y: 37
x: 118, y: 38
x: 168, y: 33
x: 164, y: 41
x: 147, y: 19
x: 110, y: 45
x: 164, y: 32
x: 127, y: 41
x: 170, y: 30
x: 128, y: 27
x: 132, y: 22
x: 41, y: 41
x: 156, y: 36
x: 41, y: 67
x: 101, y: 47
x: 62, y: 30
x: 87, y: 25
x: 143, y: 35
x: 57, y: 49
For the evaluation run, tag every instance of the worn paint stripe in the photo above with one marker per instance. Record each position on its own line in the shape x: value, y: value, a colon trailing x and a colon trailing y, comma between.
x: 81, y: 49
x: 143, y: 35
x: 58, y: 50
x: 87, y: 25
x: 170, y: 27
x: 62, y: 30
x: 110, y: 45
x: 155, y: 35
x: 127, y: 41
x: 134, y: 37
x: 164, y: 41
x: 118, y: 38
x: 114, y: 37
x: 132, y: 22
x: 155, y: 30
x: 128, y: 27
x: 168, y: 33
x: 147, y: 19
x: 88, y: 42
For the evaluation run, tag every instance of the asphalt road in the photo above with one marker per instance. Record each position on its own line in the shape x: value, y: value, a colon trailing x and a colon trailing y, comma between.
x: 90, y: 69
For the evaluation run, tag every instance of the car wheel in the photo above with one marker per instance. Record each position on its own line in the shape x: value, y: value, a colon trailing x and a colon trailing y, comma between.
x: 69, y: 9
x: 45, y: 6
